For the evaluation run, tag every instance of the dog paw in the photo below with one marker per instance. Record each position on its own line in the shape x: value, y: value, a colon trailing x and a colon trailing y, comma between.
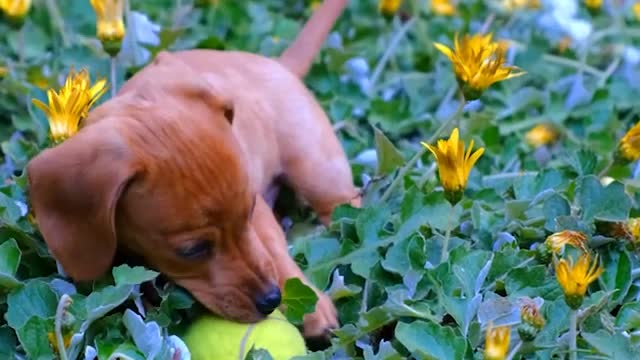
x: 319, y: 323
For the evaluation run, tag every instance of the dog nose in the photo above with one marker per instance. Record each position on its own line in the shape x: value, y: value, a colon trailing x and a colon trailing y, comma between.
x: 269, y: 301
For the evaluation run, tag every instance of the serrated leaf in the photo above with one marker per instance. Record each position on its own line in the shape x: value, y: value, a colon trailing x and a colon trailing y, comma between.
x: 609, y: 203
x: 126, y: 275
x: 9, y: 261
x: 389, y: 158
x: 299, y: 299
x: 35, y: 299
x: 427, y: 340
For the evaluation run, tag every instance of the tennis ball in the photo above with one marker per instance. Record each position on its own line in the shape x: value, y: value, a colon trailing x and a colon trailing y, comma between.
x: 213, y: 338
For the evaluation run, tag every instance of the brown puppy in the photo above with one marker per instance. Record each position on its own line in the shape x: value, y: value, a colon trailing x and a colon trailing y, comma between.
x: 175, y: 167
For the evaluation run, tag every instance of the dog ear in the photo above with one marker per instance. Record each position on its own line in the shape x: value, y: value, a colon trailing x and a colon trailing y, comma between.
x: 74, y: 189
x: 182, y: 79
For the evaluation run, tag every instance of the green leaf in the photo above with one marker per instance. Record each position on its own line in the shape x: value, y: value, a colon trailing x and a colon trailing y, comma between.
x: 35, y: 299
x: 532, y: 281
x: 258, y: 354
x: 33, y: 336
x: 370, y: 222
x: 629, y: 316
x: 126, y: 351
x: 146, y: 336
x: 101, y: 302
x: 389, y: 158
x: 609, y: 203
x: 385, y: 352
x: 615, y: 346
x: 554, y: 207
x: 8, y: 342
x: 426, y: 340
x: 9, y: 261
x: 299, y: 299
x: 126, y: 275
x: 617, y: 274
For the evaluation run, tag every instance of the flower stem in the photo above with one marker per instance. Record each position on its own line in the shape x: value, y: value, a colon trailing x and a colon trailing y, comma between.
x: 21, y: 46
x: 57, y: 20
x: 64, y: 302
x: 393, y: 44
x: 405, y: 169
x: 573, y: 335
x: 514, y: 351
x: 444, y: 255
x: 114, y: 88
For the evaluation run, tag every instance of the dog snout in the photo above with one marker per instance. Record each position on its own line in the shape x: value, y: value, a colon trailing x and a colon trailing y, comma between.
x: 267, y: 302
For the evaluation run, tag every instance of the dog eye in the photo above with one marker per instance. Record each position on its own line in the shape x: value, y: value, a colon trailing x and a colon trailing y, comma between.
x: 197, y: 251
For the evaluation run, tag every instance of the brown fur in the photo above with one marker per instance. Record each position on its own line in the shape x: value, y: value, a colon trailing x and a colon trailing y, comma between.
x: 185, y: 153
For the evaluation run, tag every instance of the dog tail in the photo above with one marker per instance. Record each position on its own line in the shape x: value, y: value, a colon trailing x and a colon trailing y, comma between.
x: 298, y: 57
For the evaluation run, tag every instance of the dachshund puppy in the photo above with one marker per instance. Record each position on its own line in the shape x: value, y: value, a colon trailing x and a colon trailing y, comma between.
x: 174, y: 169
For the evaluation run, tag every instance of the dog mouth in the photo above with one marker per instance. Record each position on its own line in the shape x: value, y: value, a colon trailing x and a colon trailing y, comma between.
x: 229, y: 303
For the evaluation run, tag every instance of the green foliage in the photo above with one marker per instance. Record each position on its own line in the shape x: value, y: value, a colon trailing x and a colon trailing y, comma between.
x: 382, y: 264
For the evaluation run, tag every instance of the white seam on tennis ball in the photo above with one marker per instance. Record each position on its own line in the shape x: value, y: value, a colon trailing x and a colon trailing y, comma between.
x: 243, y: 342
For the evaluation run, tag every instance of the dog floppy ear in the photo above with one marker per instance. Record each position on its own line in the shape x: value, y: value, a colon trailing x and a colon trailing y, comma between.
x: 182, y: 79
x: 74, y: 189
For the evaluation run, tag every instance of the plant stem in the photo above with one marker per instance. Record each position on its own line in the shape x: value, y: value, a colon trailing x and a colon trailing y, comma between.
x: 64, y: 302
x: 57, y: 20
x: 405, y: 169
x: 393, y: 44
x: 444, y: 255
x: 573, y: 335
x: 21, y: 45
x: 514, y: 351
x: 114, y: 88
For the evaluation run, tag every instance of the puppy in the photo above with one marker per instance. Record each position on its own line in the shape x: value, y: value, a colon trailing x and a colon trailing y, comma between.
x: 174, y: 169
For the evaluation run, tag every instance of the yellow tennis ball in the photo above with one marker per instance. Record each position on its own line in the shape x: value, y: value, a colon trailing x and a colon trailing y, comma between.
x: 213, y: 338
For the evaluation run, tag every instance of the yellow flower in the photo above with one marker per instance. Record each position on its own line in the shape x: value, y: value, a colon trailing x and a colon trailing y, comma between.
x: 636, y: 9
x: 15, y: 10
x: 531, y: 321
x: 593, y: 4
x: 389, y: 7
x: 3, y: 71
x: 443, y: 7
x: 630, y: 144
x: 496, y: 342
x: 511, y: 5
x: 109, y: 25
x: 66, y: 339
x: 634, y: 227
x: 564, y: 44
x: 541, y: 134
x: 530, y: 314
x: 557, y: 241
x: 71, y: 104
x: 454, y: 165
x: 478, y: 62
x: 574, y: 279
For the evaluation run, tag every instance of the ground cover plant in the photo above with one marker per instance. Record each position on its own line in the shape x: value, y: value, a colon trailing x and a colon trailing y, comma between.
x: 493, y: 141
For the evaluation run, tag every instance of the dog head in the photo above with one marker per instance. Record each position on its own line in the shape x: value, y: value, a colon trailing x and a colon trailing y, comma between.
x: 158, y: 172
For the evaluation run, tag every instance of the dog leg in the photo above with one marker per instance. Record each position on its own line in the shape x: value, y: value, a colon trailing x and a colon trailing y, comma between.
x: 319, y: 172
x: 266, y: 226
